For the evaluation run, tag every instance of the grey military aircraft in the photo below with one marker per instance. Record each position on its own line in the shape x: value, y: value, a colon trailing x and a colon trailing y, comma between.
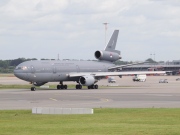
x: 85, y: 73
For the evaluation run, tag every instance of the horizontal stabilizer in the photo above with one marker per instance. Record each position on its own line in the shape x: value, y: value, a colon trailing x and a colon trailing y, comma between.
x: 127, y: 65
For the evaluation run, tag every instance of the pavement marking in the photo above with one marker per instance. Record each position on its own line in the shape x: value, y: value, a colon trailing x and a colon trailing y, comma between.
x: 104, y: 100
x: 53, y: 99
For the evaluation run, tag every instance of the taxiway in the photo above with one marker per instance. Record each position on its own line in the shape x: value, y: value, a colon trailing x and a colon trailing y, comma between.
x: 124, y: 94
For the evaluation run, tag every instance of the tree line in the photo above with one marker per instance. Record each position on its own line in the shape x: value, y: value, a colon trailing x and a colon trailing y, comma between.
x: 7, y: 66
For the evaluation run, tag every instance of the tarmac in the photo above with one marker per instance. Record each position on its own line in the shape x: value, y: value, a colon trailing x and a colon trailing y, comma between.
x: 123, y: 94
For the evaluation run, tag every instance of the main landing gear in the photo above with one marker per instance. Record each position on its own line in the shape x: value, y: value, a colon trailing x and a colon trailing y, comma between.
x: 78, y: 86
x: 93, y: 86
x: 61, y: 86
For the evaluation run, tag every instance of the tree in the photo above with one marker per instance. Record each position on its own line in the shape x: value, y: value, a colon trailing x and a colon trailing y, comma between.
x: 151, y: 60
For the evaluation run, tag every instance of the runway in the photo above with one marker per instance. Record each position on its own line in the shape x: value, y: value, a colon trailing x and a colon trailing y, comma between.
x: 128, y: 94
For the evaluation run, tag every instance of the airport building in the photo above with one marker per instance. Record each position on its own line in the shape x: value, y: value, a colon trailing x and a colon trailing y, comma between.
x: 173, y: 66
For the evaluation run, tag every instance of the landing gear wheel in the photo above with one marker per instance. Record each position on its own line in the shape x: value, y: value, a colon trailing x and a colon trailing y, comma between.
x: 58, y: 87
x: 93, y: 87
x: 33, y: 88
x: 61, y: 86
x: 65, y: 86
x: 78, y: 86
x: 96, y: 86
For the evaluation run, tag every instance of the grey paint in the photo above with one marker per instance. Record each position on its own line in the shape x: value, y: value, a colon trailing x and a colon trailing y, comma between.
x: 56, y: 70
x: 112, y: 43
x: 40, y: 72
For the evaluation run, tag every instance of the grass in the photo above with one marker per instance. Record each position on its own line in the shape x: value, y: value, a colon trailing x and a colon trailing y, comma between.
x: 14, y: 86
x: 6, y: 75
x: 102, y: 122
x: 70, y: 86
x: 28, y: 86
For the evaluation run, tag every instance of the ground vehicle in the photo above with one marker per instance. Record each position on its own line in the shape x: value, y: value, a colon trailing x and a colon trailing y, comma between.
x: 178, y: 79
x: 163, y: 81
x: 111, y: 80
x: 139, y: 78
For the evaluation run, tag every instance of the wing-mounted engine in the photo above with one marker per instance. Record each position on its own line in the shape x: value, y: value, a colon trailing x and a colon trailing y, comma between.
x: 107, y: 56
x: 39, y: 83
x: 87, y: 80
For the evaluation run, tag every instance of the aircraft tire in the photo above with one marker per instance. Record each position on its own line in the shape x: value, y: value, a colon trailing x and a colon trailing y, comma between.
x: 61, y: 86
x: 96, y: 86
x: 78, y: 86
x: 65, y: 86
x: 33, y: 88
x: 58, y: 87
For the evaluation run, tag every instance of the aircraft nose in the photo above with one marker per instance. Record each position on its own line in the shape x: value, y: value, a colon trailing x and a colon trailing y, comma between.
x: 16, y: 73
x: 19, y: 75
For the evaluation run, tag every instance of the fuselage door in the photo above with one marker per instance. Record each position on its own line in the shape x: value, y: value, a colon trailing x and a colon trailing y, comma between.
x: 54, y: 69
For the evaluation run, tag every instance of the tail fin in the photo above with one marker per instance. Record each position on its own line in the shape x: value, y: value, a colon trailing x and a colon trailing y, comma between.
x: 112, y: 42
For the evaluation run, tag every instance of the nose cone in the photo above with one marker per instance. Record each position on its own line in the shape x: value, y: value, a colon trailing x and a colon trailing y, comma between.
x: 20, y: 74
x: 17, y: 74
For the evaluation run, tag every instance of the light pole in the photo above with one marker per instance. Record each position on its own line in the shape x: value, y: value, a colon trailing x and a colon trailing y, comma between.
x: 105, y: 24
x: 153, y: 59
x: 152, y: 56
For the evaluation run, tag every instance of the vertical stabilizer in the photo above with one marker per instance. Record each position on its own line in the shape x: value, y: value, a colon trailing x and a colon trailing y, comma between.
x: 112, y: 42
x: 109, y: 53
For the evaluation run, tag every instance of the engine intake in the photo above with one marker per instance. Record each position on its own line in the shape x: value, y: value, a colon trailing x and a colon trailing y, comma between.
x: 107, y: 56
x: 87, y: 80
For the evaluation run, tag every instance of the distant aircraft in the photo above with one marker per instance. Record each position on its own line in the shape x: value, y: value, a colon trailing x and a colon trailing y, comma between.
x: 85, y: 73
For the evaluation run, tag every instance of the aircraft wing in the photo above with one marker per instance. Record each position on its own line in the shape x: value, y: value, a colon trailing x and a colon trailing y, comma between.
x: 101, y: 74
x: 121, y: 66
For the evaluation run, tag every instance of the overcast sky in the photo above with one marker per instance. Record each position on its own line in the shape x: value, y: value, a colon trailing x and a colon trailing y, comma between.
x: 74, y: 29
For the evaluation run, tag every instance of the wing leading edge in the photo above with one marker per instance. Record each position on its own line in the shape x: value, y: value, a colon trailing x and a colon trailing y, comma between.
x: 101, y: 74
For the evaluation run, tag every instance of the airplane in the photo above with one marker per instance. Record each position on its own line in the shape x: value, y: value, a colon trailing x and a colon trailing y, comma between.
x: 85, y: 73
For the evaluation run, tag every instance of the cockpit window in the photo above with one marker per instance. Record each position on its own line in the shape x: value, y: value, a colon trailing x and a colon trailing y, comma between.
x: 21, y: 68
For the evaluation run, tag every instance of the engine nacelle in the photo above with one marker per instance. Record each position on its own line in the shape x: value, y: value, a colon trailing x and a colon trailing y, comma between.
x: 87, y: 80
x: 107, y: 56
x: 39, y: 83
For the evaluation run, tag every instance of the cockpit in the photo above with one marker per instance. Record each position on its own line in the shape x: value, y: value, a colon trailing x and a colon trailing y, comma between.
x: 21, y: 68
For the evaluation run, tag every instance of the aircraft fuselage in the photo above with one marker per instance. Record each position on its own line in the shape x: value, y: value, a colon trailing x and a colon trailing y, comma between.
x: 57, y: 70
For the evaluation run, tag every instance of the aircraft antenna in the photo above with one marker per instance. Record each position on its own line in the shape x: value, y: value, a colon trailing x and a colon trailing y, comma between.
x: 105, y: 24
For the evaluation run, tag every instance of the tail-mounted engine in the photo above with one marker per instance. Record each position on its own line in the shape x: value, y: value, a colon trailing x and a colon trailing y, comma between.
x: 107, y: 56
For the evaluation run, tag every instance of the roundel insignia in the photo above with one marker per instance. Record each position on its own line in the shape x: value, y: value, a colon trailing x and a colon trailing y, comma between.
x: 110, y: 55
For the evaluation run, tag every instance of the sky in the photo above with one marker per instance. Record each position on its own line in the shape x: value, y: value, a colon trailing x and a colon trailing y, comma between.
x: 74, y: 28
